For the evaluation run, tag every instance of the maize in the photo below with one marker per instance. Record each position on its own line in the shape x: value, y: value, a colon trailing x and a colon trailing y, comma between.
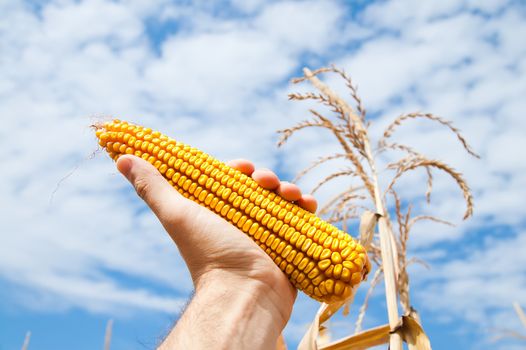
x: 318, y: 258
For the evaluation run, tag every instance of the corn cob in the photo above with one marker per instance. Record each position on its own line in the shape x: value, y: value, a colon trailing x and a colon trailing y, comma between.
x: 318, y: 258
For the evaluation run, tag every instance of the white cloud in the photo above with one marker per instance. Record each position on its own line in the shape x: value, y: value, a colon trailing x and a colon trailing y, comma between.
x: 481, y: 286
x: 249, y: 57
x: 74, y: 60
x: 220, y: 83
x: 311, y: 25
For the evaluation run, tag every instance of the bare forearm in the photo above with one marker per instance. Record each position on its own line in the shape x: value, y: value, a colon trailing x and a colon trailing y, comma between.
x: 226, y: 314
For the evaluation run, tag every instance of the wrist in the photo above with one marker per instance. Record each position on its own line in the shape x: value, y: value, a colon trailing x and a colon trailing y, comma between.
x: 249, y: 298
x: 230, y: 312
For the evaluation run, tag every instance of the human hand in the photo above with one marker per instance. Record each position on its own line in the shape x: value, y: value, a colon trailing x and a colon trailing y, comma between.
x: 235, y: 281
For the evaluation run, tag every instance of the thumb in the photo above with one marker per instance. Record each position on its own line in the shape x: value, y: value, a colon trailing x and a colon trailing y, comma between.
x: 167, y: 204
x: 187, y: 223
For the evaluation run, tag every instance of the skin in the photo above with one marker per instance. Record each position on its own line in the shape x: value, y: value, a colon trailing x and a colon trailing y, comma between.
x: 242, y: 299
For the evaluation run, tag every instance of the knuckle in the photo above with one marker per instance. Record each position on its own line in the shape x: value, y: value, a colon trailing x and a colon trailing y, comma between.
x: 142, y: 186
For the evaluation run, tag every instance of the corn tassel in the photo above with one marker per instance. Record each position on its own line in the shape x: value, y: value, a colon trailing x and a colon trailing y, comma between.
x: 318, y: 258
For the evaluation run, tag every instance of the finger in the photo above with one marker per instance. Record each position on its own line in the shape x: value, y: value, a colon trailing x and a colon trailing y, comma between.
x: 243, y: 165
x: 289, y: 191
x: 308, y: 202
x: 167, y: 204
x: 266, y: 179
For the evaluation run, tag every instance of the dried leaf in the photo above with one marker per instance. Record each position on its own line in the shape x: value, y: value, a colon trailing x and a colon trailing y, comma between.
x: 368, y: 222
x: 413, y: 334
x: 363, y: 340
x: 408, y: 328
x: 325, y: 312
x: 308, y: 342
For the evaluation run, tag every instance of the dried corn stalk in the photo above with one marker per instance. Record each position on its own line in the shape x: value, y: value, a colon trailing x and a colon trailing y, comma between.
x: 387, y: 249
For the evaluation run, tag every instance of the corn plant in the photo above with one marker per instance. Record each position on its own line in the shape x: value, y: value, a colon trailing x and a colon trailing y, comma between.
x: 386, y: 246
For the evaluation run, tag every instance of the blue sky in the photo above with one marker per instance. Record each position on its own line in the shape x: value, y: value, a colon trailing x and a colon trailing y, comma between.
x: 217, y: 77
